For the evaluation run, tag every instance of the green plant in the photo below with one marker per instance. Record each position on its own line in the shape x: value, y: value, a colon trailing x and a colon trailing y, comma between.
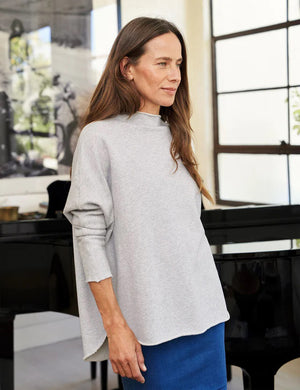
x: 296, y: 106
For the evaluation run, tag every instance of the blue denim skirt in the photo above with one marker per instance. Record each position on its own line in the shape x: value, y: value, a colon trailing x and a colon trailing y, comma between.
x: 194, y: 362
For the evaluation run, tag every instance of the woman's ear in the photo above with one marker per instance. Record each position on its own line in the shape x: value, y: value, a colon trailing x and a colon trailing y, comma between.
x: 125, y: 68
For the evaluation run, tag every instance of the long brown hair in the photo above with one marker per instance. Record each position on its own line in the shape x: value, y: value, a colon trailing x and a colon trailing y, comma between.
x: 115, y: 94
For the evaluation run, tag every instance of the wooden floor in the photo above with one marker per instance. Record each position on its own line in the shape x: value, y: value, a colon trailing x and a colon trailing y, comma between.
x: 60, y: 367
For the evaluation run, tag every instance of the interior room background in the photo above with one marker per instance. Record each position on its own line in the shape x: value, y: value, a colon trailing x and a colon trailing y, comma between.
x: 243, y: 64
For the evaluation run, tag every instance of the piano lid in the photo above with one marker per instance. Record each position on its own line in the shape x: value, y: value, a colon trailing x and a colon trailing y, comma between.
x: 34, y: 228
x: 254, y: 223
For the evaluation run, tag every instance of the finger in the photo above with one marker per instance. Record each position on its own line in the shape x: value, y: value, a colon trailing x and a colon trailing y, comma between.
x: 136, y: 373
x: 114, y: 367
x: 140, y: 357
x: 120, y: 369
x: 127, y: 369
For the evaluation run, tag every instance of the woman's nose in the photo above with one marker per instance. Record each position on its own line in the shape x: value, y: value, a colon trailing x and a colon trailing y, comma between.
x: 174, y: 73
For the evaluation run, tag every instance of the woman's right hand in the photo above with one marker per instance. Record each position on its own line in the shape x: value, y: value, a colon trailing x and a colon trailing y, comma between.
x: 125, y: 352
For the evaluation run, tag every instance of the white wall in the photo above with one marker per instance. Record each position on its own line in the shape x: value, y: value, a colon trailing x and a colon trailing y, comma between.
x: 172, y: 10
x: 200, y: 81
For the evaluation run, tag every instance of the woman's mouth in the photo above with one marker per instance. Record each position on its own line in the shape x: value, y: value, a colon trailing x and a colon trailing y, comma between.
x: 170, y: 91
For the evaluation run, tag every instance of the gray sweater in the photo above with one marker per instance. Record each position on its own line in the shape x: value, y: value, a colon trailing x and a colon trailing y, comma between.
x: 137, y: 221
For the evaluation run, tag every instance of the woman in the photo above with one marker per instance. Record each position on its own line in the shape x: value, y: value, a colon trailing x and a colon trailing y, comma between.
x: 141, y: 255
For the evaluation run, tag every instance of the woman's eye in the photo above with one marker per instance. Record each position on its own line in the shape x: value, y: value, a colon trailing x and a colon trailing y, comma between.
x: 164, y: 63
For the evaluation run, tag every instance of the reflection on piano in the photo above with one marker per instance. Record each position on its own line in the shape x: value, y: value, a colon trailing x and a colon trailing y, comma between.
x: 262, y: 287
x: 36, y: 274
x: 258, y: 261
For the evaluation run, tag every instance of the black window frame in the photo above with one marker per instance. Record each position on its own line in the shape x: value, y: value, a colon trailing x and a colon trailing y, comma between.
x: 283, y: 148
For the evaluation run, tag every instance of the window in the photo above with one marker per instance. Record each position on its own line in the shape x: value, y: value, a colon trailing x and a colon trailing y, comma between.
x: 52, y: 56
x: 32, y: 109
x: 256, y: 96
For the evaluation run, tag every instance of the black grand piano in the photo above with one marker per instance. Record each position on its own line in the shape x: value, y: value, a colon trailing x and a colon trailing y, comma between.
x: 257, y: 253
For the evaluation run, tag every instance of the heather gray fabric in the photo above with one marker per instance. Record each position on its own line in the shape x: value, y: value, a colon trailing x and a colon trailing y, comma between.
x: 136, y: 221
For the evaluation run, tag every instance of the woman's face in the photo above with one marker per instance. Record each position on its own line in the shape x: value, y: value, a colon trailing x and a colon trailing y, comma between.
x: 157, y: 74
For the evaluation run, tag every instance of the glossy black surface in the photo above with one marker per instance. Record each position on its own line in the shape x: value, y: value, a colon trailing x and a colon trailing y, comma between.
x: 257, y: 254
x: 262, y: 292
x: 248, y: 224
x: 261, y: 285
x: 35, y: 230
x: 36, y: 274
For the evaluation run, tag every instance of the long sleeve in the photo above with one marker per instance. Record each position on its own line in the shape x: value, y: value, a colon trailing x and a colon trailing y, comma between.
x: 137, y: 220
x: 89, y: 205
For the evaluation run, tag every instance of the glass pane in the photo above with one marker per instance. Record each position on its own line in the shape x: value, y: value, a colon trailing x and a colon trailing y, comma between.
x: 253, y: 178
x: 39, y: 47
x: 32, y: 105
x: 253, y: 118
x: 295, y: 115
x: 52, y: 55
x: 236, y: 15
x: 295, y: 178
x: 294, y: 9
x: 294, y: 54
x: 253, y: 61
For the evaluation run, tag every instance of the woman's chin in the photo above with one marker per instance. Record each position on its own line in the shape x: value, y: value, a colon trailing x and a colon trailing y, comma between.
x: 168, y: 103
